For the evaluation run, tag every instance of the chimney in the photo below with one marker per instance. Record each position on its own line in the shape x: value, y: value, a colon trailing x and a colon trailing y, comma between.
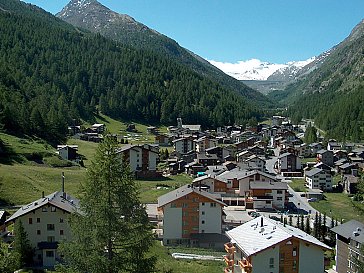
x: 63, y: 192
x: 42, y: 194
x: 261, y: 222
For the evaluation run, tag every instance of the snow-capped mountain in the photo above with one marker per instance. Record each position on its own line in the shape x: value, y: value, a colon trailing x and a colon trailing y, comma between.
x: 255, y: 69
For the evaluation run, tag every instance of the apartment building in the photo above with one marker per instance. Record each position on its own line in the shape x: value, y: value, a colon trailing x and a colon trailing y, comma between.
x: 46, y: 223
x: 318, y: 179
x: 266, y: 245
x: 187, y: 212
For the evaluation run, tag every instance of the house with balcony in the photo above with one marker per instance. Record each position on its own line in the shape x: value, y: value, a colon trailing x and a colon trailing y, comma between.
x: 189, y: 215
x: 289, y: 164
x: 142, y: 159
x: 318, y: 179
x: 326, y: 157
x: 46, y: 223
x: 184, y: 145
x: 349, y: 240
x: 267, y: 195
x: 265, y: 245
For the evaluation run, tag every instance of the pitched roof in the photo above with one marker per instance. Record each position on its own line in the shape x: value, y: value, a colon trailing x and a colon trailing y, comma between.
x: 285, y: 155
x: 352, y: 229
x: 183, y: 191
x: 252, y: 238
x: 313, y: 171
x: 68, y: 204
x: 241, y: 174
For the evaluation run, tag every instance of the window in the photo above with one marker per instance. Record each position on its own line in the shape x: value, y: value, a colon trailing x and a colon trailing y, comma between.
x: 271, y: 263
x: 202, y: 204
x: 279, y: 199
x: 202, y: 212
x: 61, y: 220
x: 30, y: 221
x: 202, y: 231
x: 44, y: 209
x: 281, y: 257
x: 203, y: 222
x: 185, y: 213
x: 294, y: 267
x: 50, y: 226
x: 53, y: 209
x: 212, y: 205
x: 173, y: 205
x: 38, y: 231
x: 50, y: 239
x: 184, y: 205
x: 61, y: 232
x: 38, y: 220
x: 294, y: 252
x: 49, y: 253
x: 279, y: 192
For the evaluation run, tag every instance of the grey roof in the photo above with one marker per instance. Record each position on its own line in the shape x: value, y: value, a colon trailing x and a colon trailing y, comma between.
x: 183, y: 191
x: 313, y: 171
x: 347, y: 165
x: 206, y: 156
x: 322, y: 151
x: 68, y: 204
x: 192, y: 127
x: 251, y: 238
x: 352, y: 229
x: 285, y: 154
x: 341, y: 161
x: 241, y: 174
x: 268, y: 185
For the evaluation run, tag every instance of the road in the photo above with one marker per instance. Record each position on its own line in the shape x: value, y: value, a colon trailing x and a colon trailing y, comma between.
x: 299, y: 202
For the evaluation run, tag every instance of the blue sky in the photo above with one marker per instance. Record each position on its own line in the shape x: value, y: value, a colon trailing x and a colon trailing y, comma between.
x: 229, y: 31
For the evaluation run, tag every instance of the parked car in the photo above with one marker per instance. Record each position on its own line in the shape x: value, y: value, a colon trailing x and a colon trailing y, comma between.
x: 312, y: 199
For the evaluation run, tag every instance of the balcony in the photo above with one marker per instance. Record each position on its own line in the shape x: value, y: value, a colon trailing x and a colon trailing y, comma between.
x: 229, y: 260
x: 229, y: 248
x: 245, y: 265
x: 228, y: 270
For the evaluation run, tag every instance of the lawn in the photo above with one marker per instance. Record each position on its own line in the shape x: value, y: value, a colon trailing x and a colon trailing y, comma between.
x: 151, y: 189
x: 308, y: 159
x: 340, y: 206
x: 86, y: 149
x: 166, y: 263
x: 21, y: 184
x: 298, y: 185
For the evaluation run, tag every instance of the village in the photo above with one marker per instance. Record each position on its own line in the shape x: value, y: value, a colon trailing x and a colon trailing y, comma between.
x: 240, y: 198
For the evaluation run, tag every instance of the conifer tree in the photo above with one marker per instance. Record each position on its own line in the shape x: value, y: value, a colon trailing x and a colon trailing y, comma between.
x: 307, y: 225
x: 302, y: 227
x: 111, y: 233
x: 298, y: 225
x: 22, y: 246
x: 290, y: 220
x: 315, y: 226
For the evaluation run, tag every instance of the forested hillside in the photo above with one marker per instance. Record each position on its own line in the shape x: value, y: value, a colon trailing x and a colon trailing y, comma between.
x: 51, y: 73
x: 95, y: 17
x: 333, y: 94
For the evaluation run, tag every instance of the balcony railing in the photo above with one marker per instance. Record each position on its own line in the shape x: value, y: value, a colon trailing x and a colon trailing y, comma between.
x: 246, y: 265
x: 228, y: 260
x: 229, y: 248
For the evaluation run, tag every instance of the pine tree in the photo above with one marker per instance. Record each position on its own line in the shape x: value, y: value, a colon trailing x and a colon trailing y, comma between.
x: 307, y: 226
x: 319, y: 226
x: 324, y: 228
x: 290, y: 220
x: 22, y: 246
x: 112, y: 233
x: 298, y: 225
x: 302, y: 226
x: 315, y: 226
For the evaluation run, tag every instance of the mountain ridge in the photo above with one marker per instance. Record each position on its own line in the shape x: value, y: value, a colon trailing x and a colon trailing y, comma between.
x: 96, y: 17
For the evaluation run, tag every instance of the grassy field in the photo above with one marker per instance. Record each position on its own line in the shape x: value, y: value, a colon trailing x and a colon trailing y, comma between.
x: 150, y: 190
x: 308, y: 159
x: 166, y: 263
x: 340, y: 206
x: 298, y: 185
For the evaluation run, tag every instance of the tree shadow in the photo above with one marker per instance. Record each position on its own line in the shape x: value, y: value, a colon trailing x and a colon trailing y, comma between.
x: 8, y: 155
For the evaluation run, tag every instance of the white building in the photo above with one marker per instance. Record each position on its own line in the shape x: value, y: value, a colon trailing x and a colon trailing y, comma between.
x: 142, y: 159
x: 184, y: 145
x: 265, y: 245
x: 46, y: 224
x: 318, y: 179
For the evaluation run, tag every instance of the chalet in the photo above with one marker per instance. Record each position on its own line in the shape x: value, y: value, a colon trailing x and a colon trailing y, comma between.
x: 349, y: 240
x: 188, y: 211
x: 162, y: 140
x: 73, y: 129
x: 255, y: 162
x: 350, y: 183
x: 315, y: 147
x: 323, y: 166
x: 326, y: 157
x: 218, y: 151
x: 98, y: 128
x: 333, y: 145
x: 318, y: 179
x: 46, y: 223
x: 256, y: 150
x: 204, y: 143
x: 152, y: 130
x: 303, y: 150
x: 347, y: 168
x: 242, y: 156
x: 277, y: 120
x: 265, y: 245
x: 67, y: 152
x: 267, y: 195
x: 142, y: 159
x: 207, y: 159
x: 340, y: 154
x: 184, y: 145
x: 288, y: 163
